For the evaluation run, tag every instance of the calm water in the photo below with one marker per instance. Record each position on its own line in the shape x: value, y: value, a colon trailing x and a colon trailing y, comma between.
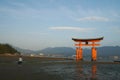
x: 77, y: 71
x: 32, y: 69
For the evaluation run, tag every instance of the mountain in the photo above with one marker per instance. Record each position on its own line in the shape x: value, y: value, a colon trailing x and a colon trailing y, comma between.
x: 24, y: 51
x: 7, y: 49
x: 104, y: 51
x: 109, y: 51
x: 68, y: 51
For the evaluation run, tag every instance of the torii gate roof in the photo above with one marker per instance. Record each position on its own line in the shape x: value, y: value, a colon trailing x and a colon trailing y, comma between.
x: 86, y: 40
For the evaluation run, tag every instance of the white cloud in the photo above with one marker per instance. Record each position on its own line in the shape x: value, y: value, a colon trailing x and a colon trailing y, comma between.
x: 72, y: 28
x: 93, y: 18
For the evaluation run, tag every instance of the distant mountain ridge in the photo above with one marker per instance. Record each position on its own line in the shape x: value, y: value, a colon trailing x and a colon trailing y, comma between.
x: 68, y: 51
x: 24, y: 50
x: 109, y: 50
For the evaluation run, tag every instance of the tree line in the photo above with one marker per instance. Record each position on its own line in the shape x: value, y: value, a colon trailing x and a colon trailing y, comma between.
x: 7, y: 49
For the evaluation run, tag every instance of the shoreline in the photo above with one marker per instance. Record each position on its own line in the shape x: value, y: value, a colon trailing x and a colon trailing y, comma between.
x: 7, y: 59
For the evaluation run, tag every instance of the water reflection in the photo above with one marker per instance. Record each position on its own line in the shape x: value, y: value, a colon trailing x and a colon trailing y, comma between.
x: 94, y: 71
x: 86, y: 71
x: 79, y: 71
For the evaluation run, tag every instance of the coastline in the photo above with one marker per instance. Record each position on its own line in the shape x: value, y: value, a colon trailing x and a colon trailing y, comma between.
x: 13, y: 58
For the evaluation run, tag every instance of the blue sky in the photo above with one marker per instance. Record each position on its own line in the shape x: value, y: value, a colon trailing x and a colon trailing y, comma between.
x: 37, y: 24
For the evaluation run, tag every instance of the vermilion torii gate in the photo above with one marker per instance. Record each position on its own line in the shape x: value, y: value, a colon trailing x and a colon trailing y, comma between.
x: 86, y: 42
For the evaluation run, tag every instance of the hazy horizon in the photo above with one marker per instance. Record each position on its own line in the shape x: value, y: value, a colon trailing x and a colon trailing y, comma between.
x: 38, y: 24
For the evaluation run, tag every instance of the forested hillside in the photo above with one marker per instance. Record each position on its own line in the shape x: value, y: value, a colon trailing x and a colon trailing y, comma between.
x: 7, y: 49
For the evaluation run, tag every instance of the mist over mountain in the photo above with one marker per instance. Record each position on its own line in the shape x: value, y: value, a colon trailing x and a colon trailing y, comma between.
x: 24, y: 51
x: 68, y: 51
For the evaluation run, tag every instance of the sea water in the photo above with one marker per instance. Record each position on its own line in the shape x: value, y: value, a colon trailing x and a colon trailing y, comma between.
x: 77, y: 71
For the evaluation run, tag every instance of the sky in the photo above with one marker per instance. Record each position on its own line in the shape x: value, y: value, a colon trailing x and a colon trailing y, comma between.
x: 38, y: 24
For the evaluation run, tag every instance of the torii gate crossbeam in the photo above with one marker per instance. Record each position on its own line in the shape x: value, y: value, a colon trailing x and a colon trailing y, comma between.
x: 87, y: 42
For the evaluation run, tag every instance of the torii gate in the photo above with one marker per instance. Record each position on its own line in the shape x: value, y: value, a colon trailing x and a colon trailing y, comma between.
x: 86, y: 42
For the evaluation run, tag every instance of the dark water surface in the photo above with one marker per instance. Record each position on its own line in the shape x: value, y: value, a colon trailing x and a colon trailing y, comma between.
x: 47, y: 69
x: 77, y: 71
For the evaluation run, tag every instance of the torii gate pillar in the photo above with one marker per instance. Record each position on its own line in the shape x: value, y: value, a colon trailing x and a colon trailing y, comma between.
x: 94, y: 54
x: 79, y: 54
x: 86, y: 42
